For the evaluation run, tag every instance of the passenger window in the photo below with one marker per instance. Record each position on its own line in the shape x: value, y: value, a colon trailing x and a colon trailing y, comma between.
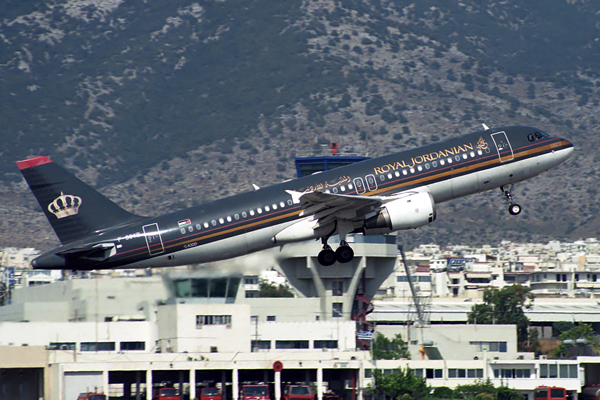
x: 479, y: 152
x: 228, y: 218
x: 390, y: 176
x: 449, y: 160
x: 412, y: 170
x: 350, y: 186
x: 343, y: 188
x: 420, y: 168
x: 259, y: 210
x: 465, y: 156
x: 404, y: 172
x: 472, y: 154
x: 251, y: 213
x: 397, y: 174
x: 221, y: 221
x: 442, y: 162
x: 244, y: 214
x: 427, y: 166
x: 198, y: 227
x: 434, y: 164
x: 282, y: 204
x: 267, y: 208
x: 206, y: 225
x: 236, y: 216
x: 274, y: 206
x: 213, y: 222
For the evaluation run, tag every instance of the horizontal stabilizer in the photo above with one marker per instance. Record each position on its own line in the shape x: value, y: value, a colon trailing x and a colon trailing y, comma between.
x: 97, y: 253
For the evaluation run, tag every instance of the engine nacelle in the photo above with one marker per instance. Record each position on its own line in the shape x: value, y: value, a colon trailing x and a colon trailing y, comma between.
x: 408, y: 212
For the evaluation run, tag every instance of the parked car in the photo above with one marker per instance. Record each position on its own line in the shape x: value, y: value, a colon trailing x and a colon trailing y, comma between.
x: 298, y: 392
x: 91, y: 396
x: 167, y: 394
x: 255, y: 392
x: 210, y: 393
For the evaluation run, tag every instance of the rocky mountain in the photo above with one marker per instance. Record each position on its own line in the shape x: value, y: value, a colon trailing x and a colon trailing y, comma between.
x: 165, y: 104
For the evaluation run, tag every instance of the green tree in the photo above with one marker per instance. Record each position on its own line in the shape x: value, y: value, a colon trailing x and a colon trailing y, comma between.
x: 505, y: 306
x: 401, y: 384
x: 580, y: 331
x: 267, y: 289
x: 386, y: 349
x: 485, y: 390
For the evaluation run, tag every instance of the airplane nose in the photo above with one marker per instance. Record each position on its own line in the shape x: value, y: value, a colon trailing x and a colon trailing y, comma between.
x: 565, y: 151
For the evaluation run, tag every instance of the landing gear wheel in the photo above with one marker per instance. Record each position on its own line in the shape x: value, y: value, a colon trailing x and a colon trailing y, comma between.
x: 344, y: 254
x: 326, y: 256
x: 514, y: 209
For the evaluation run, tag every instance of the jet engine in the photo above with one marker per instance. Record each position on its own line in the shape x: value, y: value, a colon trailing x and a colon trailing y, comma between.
x: 407, y: 212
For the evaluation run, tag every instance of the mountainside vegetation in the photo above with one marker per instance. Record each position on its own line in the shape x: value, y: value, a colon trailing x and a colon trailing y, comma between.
x: 167, y: 104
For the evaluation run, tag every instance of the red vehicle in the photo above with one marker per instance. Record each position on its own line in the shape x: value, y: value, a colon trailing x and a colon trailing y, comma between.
x: 255, y: 392
x: 167, y: 394
x: 550, y: 393
x: 298, y: 392
x: 91, y: 396
x: 210, y: 393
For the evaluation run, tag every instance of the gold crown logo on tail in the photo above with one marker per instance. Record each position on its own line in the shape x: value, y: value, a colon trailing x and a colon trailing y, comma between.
x: 65, y: 205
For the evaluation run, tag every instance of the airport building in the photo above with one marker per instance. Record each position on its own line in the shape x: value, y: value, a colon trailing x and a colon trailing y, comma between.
x: 188, y: 329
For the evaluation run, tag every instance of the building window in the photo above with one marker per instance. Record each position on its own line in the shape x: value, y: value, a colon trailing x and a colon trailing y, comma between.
x: 212, y: 320
x: 457, y: 373
x: 337, y: 288
x: 61, y: 346
x: 271, y: 318
x: 291, y: 344
x: 133, y: 346
x: 97, y: 346
x: 490, y: 346
x: 325, y: 344
x: 258, y: 345
x: 336, y: 309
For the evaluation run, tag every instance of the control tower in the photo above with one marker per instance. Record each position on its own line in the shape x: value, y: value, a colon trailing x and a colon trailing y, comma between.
x: 345, y: 290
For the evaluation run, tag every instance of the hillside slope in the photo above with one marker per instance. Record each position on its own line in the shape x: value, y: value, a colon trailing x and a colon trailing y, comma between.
x: 166, y: 104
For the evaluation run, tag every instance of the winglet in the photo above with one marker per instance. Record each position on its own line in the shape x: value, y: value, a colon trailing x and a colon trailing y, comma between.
x: 255, y: 186
x: 485, y: 127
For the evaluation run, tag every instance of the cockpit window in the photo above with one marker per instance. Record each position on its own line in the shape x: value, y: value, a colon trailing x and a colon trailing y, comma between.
x: 537, y: 135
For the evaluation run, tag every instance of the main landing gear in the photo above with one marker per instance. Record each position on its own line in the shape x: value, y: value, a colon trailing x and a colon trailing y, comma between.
x: 342, y: 254
x: 513, y: 208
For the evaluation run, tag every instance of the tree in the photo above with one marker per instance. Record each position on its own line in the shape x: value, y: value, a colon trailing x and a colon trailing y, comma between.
x: 580, y: 331
x: 483, y: 391
x: 505, y: 306
x: 267, y: 289
x: 401, y: 384
x: 386, y: 349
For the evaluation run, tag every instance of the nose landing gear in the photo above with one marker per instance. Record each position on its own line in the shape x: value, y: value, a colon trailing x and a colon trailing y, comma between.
x: 513, y: 208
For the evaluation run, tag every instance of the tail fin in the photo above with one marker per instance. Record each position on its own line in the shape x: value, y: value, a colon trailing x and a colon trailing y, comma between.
x: 73, y: 208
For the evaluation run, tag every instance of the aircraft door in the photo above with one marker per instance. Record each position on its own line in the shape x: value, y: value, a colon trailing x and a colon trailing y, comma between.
x: 359, y: 185
x: 503, y: 147
x: 153, y: 239
x: 371, y: 182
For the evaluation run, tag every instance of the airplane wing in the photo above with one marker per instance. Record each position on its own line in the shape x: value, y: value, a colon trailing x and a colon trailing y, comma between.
x: 328, y: 207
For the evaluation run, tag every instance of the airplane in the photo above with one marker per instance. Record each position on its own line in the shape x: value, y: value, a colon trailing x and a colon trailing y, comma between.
x: 376, y: 196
